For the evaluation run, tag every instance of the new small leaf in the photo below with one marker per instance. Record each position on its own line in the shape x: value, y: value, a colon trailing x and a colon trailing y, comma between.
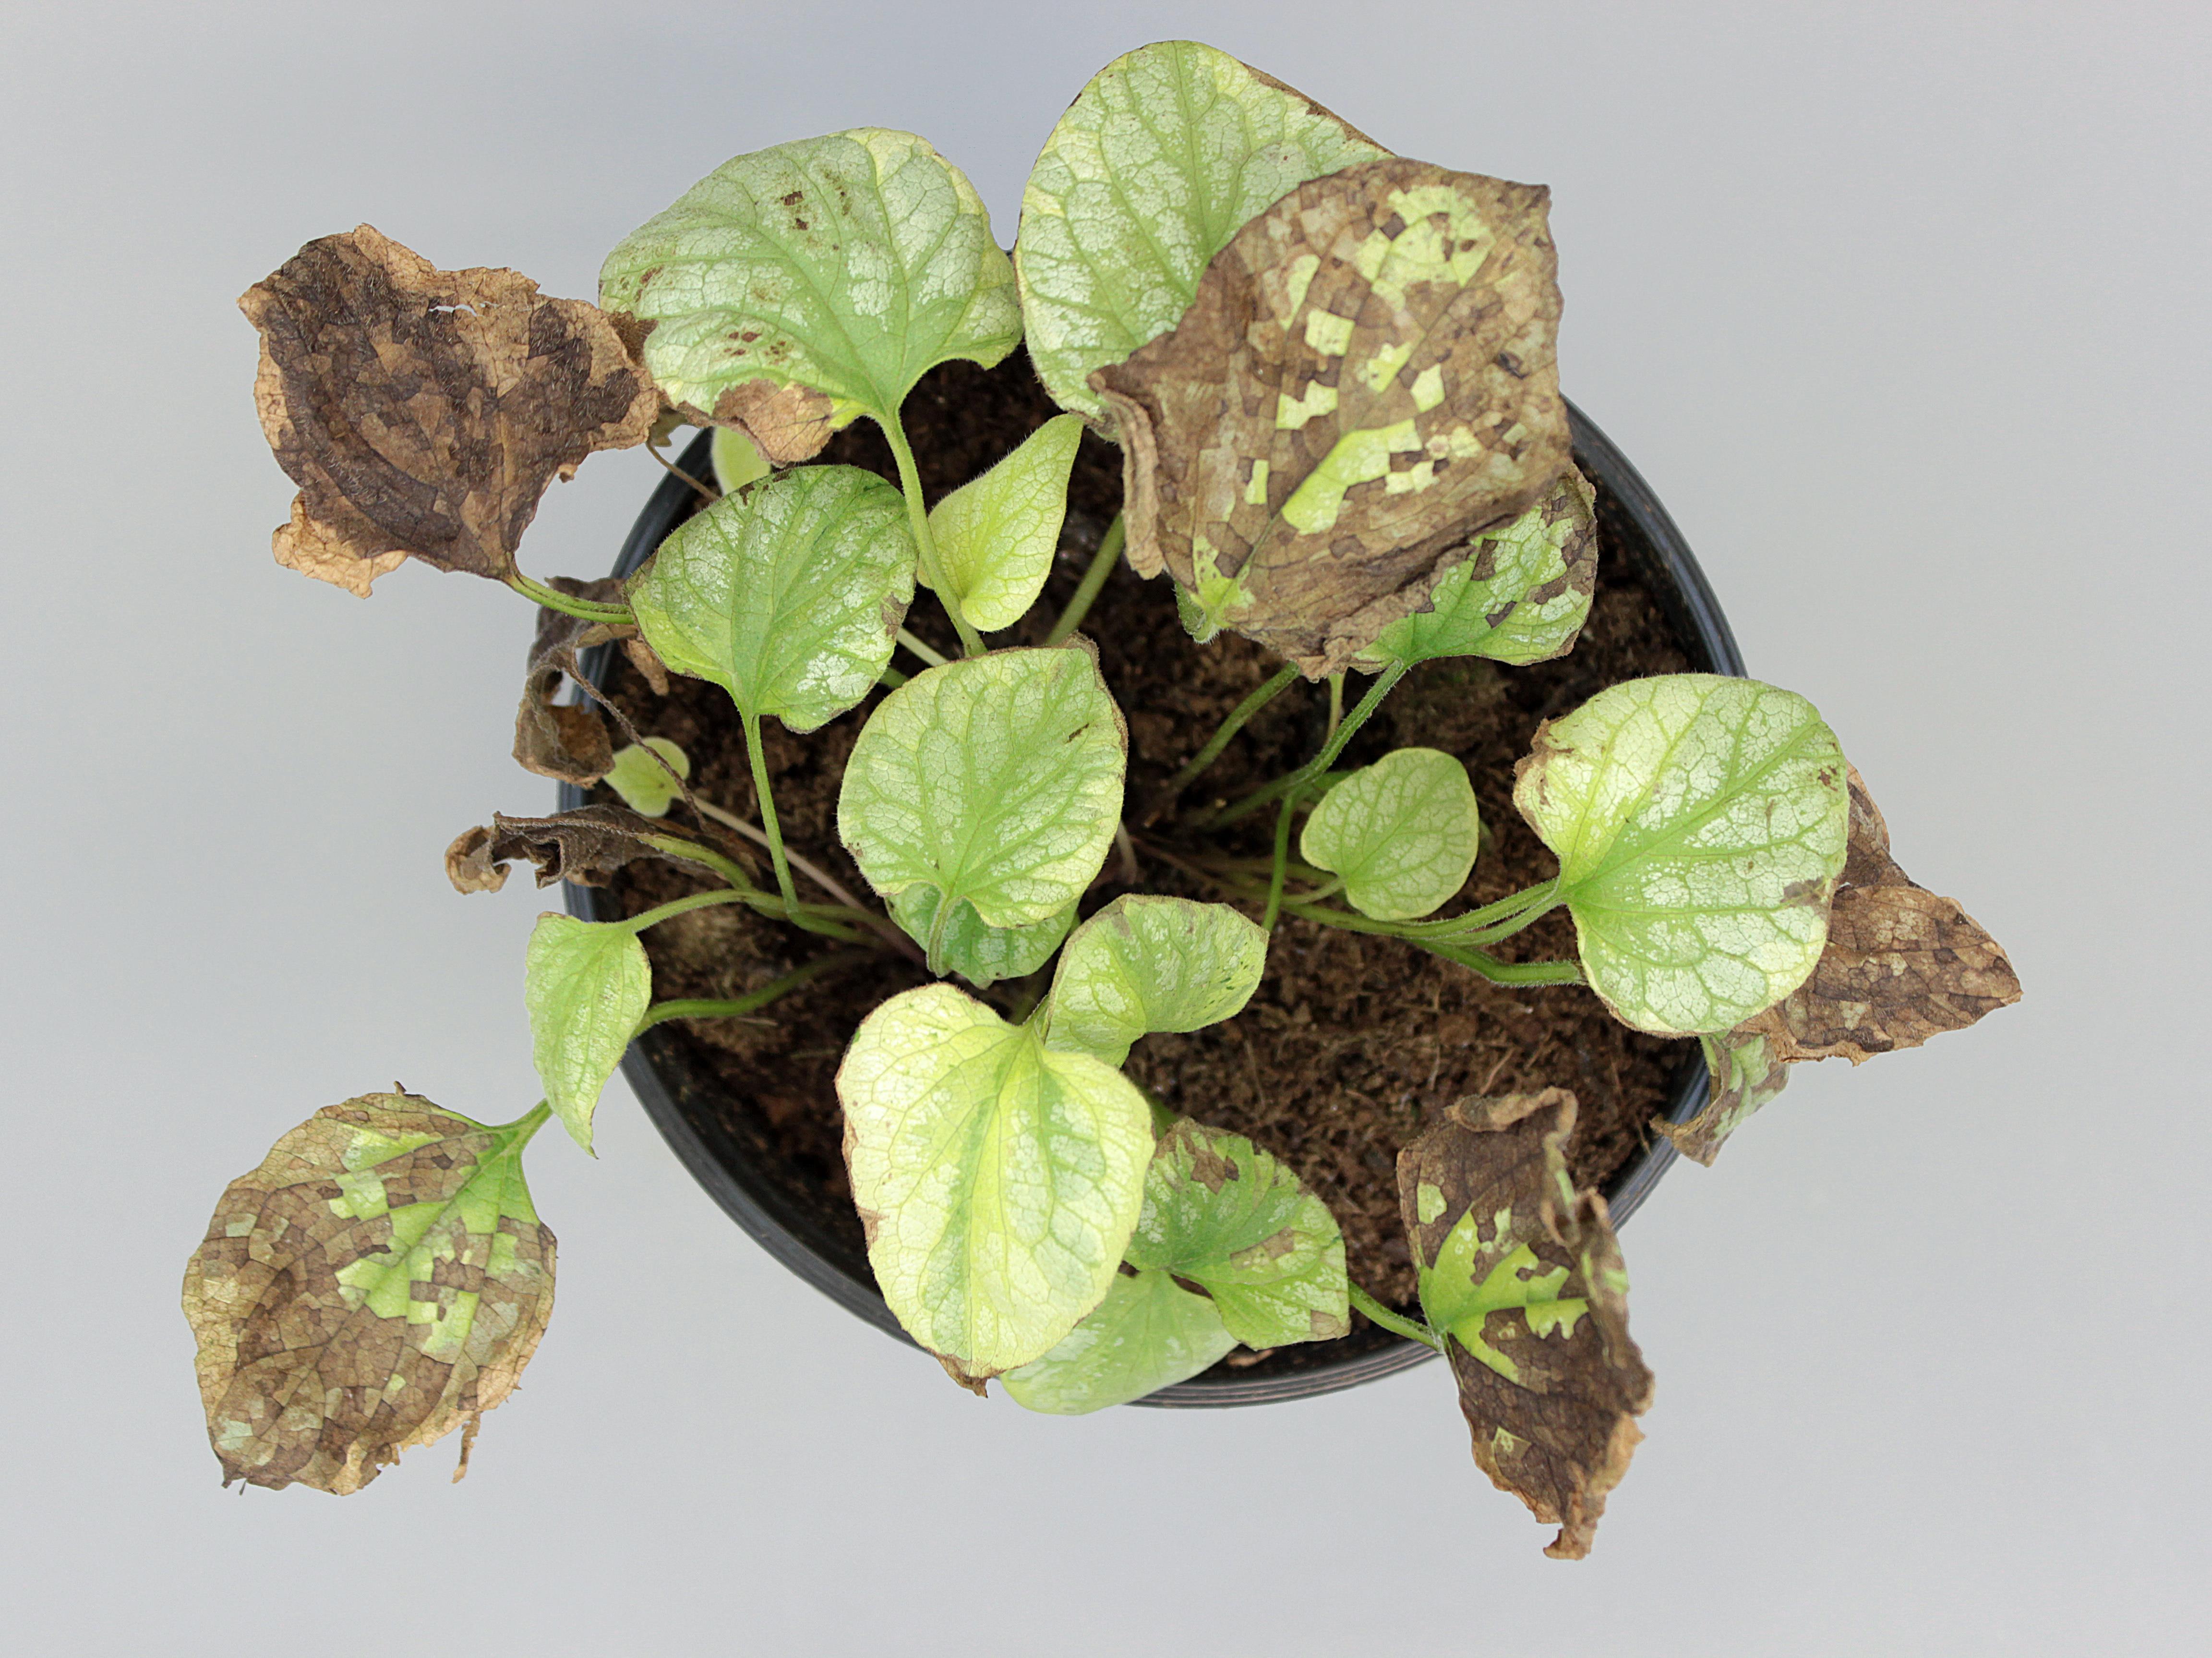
x: 644, y: 783
x: 586, y: 984
x: 379, y: 1280
x: 1143, y: 965
x: 1699, y: 826
x: 788, y: 596
x: 996, y: 534
x: 1403, y: 833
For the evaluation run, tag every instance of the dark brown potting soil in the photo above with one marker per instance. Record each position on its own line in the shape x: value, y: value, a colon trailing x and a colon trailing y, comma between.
x: 1353, y: 1043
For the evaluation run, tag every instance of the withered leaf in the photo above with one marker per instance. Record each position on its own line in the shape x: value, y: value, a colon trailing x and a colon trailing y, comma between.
x: 587, y: 846
x: 1746, y: 1073
x: 421, y: 412
x: 1521, y: 1275
x: 1364, y: 383
x: 1901, y: 964
x: 379, y: 1280
x: 568, y: 742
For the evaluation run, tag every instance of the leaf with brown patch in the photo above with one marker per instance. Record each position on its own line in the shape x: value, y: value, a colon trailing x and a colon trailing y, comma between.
x: 422, y: 412
x: 379, y: 1280
x: 1745, y: 1072
x: 1521, y: 1274
x: 1901, y: 964
x: 587, y: 846
x: 1364, y: 384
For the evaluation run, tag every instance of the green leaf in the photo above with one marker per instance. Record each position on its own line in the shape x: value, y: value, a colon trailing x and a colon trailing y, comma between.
x: 979, y: 953
x: 996, y: 534
x: 586, y: 984
x: 1160, y: 160
x: 1147, y: 1334
x: 788, y: 596
x: 1143, y: 965
x: 1521, y: 1272
x: 997, y: 780
x: 643, y: 782
x: 1521, y: 596
x: 999, y: 1180
x: 737, y: 461
x: 379, y: 1280
x: 1224, y: 1214
x: 1403, y: 833
x: 793, y: 288
x: 1700, y: 825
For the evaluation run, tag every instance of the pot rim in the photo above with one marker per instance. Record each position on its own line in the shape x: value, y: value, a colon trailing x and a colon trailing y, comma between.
x: 760, y: 1211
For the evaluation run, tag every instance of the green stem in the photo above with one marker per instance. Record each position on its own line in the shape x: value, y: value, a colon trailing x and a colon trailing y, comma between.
x: 554, y: 599
x: 692, y: 852
x: 1505, y: 972
x: 1396, y: 1323
x: 1239, y: 716
x: 755, y: 754
x: 921, y: 648
x: 1094, y: 581
x: 917, y: 516
x: 661, y: 1012
x: 1282, y: 853
x: 524, y: 1126
x: 1311, y: 772
x: 1335, y: 702
x: 677, y: 906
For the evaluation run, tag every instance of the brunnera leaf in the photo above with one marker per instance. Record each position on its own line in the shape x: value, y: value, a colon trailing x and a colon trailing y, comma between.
x: 587, y: 845
x: 1403, y: 833
x: 1744, y: 1072
x: 380, y: 1280
x: 566, y: 741
x: 1901, y: 964
x: 788, y: 595
x: 1364, y: 383
x: 1167, y: 153
x: 646, y: 783
x: 970, y: 946
x: 1699, y: 826
x: 585, y: 984
x: 1223, y: 1215
x: 1143, y: 965
x: 1521, y: 596
x: 1149, y: 1334
x: 793, y: 289
x: 996, y: 534
x: 1521, y: 1275
x: 421, y: 412
x: 997, y: 780
x: 998, y: 1180
x: 736, y: 459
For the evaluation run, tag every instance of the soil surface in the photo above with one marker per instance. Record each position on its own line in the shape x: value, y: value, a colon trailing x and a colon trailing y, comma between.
x: 1353, y: 1043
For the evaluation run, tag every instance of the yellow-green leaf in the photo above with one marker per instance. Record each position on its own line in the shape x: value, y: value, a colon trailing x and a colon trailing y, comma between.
x: 1403, y: 833
x: 1147, y: 1334
x: 1144, y: 964
x: 996, y: 534
x: 586, y: 984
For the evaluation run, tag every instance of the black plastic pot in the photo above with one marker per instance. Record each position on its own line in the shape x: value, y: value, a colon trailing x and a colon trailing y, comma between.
x: 723, y: 1142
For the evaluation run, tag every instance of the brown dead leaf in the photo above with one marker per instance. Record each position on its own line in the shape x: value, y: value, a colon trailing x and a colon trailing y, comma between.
x: 380, y: 1280
x: 422, y: 412
x: 566, y: 741
x: 587, y: 846
x: 469, y: 865
x: 1901, y: 964
x: 1523, y: 1275
x: 1364, y: 381
x: 1746, y: 1073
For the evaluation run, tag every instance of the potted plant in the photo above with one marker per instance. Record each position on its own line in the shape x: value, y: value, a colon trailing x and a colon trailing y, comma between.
x: 1021, y: 886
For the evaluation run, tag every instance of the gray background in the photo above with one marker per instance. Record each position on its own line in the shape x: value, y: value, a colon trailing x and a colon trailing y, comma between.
x: 1900, y: 308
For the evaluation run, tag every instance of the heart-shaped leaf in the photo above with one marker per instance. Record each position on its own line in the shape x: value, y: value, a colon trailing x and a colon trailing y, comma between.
x: 1363, y: 382
x: 968, y: 945
x: 1403, y: 833
x: 788, y: 596
x: 379, y: 1280
x: 1166, y: 154
x: 586, y: 984
x: 996, y: 534
x: 1147, y: 1334
x: 999, y: 1180
x: 1522, y: 1276
x: 1699, y: 824
x: 793, y: 288
x: 1144, y: 964
x: 1521, y: 597
x: 997, y: 780
x: 645, y: 784
x: 1223, y: 1215
x: 421, y: 412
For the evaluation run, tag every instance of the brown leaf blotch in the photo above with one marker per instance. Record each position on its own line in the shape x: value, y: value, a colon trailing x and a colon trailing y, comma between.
x: 786, y: 423
x: 587, y: 845
x: 422, y: 412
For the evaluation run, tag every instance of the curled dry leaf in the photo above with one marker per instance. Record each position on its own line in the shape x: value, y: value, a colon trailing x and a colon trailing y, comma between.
x: 587, y: 846
x: 568, y: 742
x: 1521, y: 1275
x: 421, y: 412
x: 1746, y: 1073
x: 1901, y: 964
x: 1364, y: 383
x: 379, y: 1280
